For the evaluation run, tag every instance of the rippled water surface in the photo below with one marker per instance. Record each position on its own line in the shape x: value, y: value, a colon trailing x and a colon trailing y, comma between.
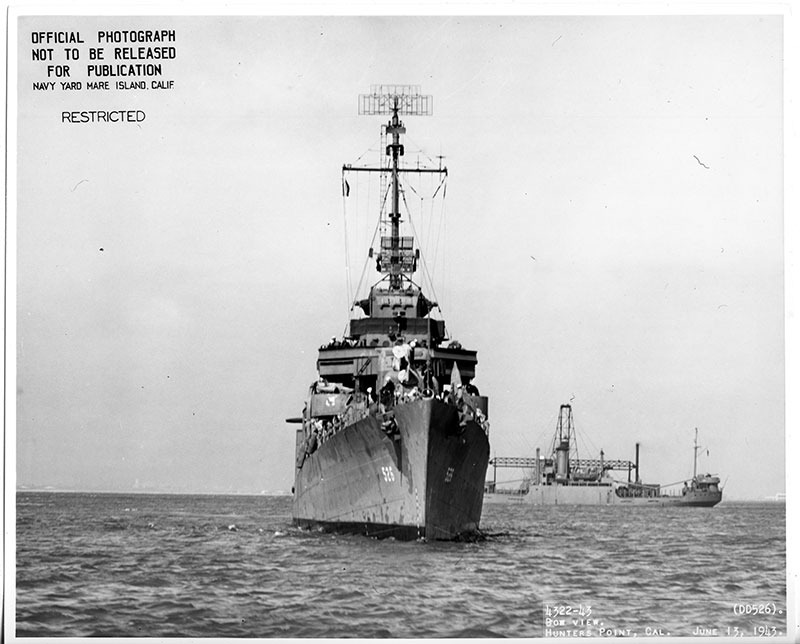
x: 234, y: 566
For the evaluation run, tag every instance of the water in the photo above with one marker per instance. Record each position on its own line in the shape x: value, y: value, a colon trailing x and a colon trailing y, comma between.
x: 234, y: 566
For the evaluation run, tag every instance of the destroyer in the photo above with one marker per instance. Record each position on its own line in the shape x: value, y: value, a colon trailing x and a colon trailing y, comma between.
x: 393, y: 439
x: 564, y: 479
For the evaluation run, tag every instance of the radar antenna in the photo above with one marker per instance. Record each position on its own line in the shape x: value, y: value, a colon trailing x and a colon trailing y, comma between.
x: 391, y: 99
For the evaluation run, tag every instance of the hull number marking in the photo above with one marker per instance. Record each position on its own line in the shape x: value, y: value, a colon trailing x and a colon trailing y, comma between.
x: 388, y: 474
x: 449, y: 475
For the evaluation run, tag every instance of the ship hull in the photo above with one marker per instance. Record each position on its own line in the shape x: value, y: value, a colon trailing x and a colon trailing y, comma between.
x: 424, y: 479
x: 598, y: 495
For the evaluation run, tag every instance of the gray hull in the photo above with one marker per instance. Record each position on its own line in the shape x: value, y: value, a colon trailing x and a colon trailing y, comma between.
x: 426, y: 482
x: 598, y: 495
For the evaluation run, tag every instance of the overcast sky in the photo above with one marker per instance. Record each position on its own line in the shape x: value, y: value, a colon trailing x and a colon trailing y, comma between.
x: 614, y: 237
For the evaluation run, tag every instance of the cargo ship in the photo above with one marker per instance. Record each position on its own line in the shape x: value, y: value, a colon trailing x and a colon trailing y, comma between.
x: 561, y: 478
x: 393, y: 438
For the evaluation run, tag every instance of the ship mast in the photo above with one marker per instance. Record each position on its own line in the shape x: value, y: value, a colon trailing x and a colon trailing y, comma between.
x: 396, y: 256
x: 694, y: 472
x: 565, y: 432
x: 395, y: 128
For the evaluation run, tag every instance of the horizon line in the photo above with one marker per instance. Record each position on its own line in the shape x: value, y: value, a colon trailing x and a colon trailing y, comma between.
x: 779, y: 497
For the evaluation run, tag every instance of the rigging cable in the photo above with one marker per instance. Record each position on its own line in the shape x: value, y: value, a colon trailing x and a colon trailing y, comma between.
x: 422, y: 243
x: 369, y: 149
x: 431, y: 217
x: 422, y: 213
x: 441, y: 183
x: 424, y: 263
x: 444, y: 249
x: 441, y: 222
x: 345, y: 194
x: 372, y: 244
x: 420, y: 149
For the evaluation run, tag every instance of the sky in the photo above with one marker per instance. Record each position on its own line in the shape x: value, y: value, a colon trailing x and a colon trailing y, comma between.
x: 612, y: 236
